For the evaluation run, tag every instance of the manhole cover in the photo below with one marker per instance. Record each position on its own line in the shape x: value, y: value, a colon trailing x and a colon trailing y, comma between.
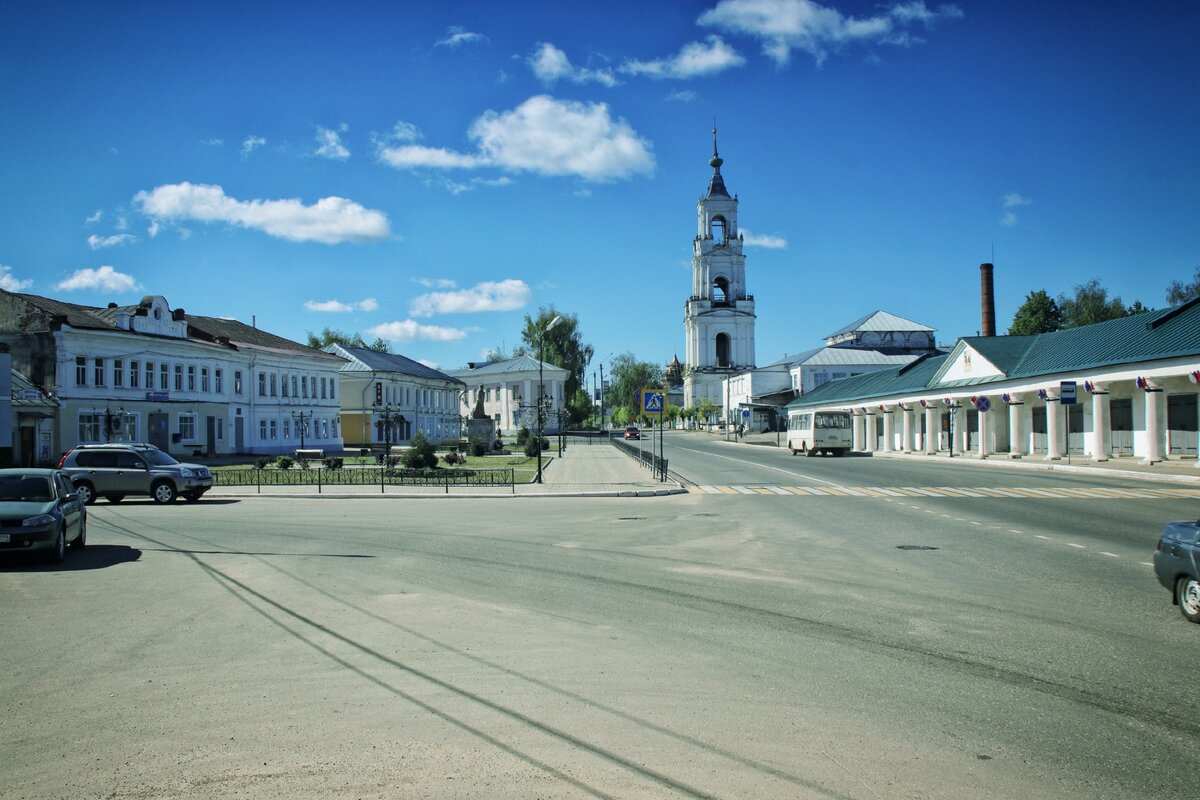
x: 914, y: 547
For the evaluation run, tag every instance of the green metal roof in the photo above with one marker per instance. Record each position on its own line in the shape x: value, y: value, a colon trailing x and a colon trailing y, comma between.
x: 910, y: 378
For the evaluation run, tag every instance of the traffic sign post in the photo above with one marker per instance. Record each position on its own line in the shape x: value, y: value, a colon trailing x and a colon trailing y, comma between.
x: 1067, y: 397
x: 654, y: 403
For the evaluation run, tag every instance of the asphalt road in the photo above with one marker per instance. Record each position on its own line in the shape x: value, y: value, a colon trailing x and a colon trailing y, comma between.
x: 694, y: 646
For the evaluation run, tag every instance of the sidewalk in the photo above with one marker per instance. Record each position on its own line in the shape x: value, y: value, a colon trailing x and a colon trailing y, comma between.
x: 1174, y: 470
x: 596, y: 470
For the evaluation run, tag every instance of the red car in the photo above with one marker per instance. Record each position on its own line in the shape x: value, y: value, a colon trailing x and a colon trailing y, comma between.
x: 632, y: 432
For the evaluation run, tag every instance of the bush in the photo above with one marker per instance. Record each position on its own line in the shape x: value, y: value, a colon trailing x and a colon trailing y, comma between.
x: 452, y: 458
x: 284, y: 462
x: 522, y: 436
x: 420, y: 453
x: 478, y: 449
x: 261, y: 462
x: 531, y: 446
x: 332, y: 462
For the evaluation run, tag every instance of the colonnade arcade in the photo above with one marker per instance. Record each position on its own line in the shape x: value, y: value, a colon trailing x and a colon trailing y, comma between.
x: 1151, y: 417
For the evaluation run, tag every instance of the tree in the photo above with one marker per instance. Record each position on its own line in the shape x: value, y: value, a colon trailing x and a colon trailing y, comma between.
x: 1089, y: 305
x: 579, y: 406
x: 330, y: 336
x: 563, y: 346
x: 1178, y: 292
x: 1038, y: 314
x: 629, y: 375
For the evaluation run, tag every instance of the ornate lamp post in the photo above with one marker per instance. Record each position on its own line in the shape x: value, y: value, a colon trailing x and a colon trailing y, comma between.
x: 542, y: 391
x: 302, y: 419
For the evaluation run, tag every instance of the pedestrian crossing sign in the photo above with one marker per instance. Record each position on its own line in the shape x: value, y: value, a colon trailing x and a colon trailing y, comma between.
x: 653, y: 401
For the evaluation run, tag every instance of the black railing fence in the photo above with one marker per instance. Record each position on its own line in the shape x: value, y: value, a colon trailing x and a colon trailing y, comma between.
x: 365, y: 476
x: 655, y: 463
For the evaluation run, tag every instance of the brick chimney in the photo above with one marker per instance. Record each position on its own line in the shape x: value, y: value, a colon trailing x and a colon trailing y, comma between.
x: 987, y: 300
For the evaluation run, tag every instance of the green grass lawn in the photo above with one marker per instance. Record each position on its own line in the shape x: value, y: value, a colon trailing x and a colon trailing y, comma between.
x: 524, y: 467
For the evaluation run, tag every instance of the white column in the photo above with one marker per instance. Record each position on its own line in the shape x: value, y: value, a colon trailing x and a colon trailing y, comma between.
x: 869, y: 427
x: 1155, y: 428
x: 906, y: 430
x: 1054, y: 429
x: 859, y: 426
x: 933, y: 427
x: 1017, y: 441
x: 889, y: 431
x: 1101, y: 425
x: 985, y: 433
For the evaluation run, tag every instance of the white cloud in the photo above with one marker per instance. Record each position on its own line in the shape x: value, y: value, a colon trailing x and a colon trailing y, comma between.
x: 766, y: 241
x: 435, y: 283
x: 550, y: 64
x: 330, y: 220
x: 682, y: 96
x: 1013, y: 199
x: 104, y: 278
x: 10, y: 283
x: 458, y: 187
x: 98, y: 242
x: 506, y: 295
x: 122, y: 223
x: 428, y: 363
x: 408, y: 330
x: 693, y: 60
x: 94, y: 218
x: 1009, y: 219
x: 251, y: 144
x: 457, y: 35
x: 212, y: 142
x: 786, y: 25
x: 542, y: 135
x: 338, y: 307
x: 368, y: 304
x: 330, y: 143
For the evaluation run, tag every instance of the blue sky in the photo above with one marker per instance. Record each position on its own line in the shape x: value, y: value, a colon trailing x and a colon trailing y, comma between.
x: 430, y: 172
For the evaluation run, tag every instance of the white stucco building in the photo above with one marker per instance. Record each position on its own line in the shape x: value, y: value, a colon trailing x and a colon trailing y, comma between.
x: 510, y: 390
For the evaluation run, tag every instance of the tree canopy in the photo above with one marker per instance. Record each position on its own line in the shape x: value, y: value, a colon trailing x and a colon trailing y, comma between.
x: 629, y: 375
x: 1038, y: 314
x: 563, y: 346
x: 1179, y: 292
x: 1090, y: 304
x: 330, y: 336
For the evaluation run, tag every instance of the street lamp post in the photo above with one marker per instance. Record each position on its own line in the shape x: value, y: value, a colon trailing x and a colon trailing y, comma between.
x: 301, y: 418
x: 542, y: 391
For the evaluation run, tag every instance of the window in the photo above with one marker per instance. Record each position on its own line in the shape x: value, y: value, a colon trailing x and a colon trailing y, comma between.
x: 149, y: 376
x: 274, y: 429
x: 262, y: 387
x: 187, y: 427
x: 262, y: 429
x: 118, y: 372
x: 283, y: 386
x: 220, y: 428
x: 287, y: 428
x: 89, y: 426
x: 294, y: 394
x: 164, y: 377
x: 274, y: 388
x: 322, y: 387
x: 99, y: 372
x: 204, y: 379
x: 722, y: 349
x: 80, y: 371
x: 303, y: 387
x: 219, y: 376
x: 237, y: 381
x: 135, y: 374
x: 718, y: 230
x: 312, y: 386
x: 720, y: 293
x: 179, y: 377
x: 332, y: 393
x: 191, y: 378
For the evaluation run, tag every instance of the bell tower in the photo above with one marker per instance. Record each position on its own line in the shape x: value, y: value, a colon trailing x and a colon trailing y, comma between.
x: 718, y: 318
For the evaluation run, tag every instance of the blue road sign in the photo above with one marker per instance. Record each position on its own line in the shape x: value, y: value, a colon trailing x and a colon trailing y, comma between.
x: 983, y: 404
x: 1066, y: 393
x: 653, y: 402
x: 745, y: 412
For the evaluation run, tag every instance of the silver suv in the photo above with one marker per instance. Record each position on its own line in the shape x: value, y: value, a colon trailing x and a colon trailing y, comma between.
x: 115, y: 470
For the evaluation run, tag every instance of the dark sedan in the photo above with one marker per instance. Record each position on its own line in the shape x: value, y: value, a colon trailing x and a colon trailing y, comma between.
x: 632, y: 432
x: 1177, y: 564
x: 40, y: 511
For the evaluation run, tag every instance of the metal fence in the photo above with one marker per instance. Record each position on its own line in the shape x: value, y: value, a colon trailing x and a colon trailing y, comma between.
x: 365, y: 476
x: 655, y: 463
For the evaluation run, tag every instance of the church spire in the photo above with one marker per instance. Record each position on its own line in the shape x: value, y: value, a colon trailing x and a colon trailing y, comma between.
x: 716, y: 185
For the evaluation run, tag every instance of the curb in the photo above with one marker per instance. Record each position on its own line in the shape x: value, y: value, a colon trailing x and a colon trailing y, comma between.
x: 1082, y: 469
x: 443, y: 496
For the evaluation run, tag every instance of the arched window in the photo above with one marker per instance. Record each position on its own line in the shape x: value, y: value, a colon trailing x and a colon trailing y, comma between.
x: 722, y: 349
x: 718, y: 230
x: 720, y: 292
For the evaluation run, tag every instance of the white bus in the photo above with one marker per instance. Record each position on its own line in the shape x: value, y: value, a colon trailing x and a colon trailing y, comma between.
x: 813, y: 432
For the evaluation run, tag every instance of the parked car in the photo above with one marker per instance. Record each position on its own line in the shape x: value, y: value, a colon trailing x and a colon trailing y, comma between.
x: 116, y: 470
x: 40, y: 511
x: 632, y: 432
x: 1177, y: 565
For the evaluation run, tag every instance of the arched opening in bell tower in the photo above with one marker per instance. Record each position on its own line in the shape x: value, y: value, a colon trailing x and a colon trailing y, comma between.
x: 718, y: 230
x: 720, y: 291
x: 722, y: 349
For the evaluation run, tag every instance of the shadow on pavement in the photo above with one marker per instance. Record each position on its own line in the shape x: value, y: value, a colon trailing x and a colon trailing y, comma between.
x: 97, y: 556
